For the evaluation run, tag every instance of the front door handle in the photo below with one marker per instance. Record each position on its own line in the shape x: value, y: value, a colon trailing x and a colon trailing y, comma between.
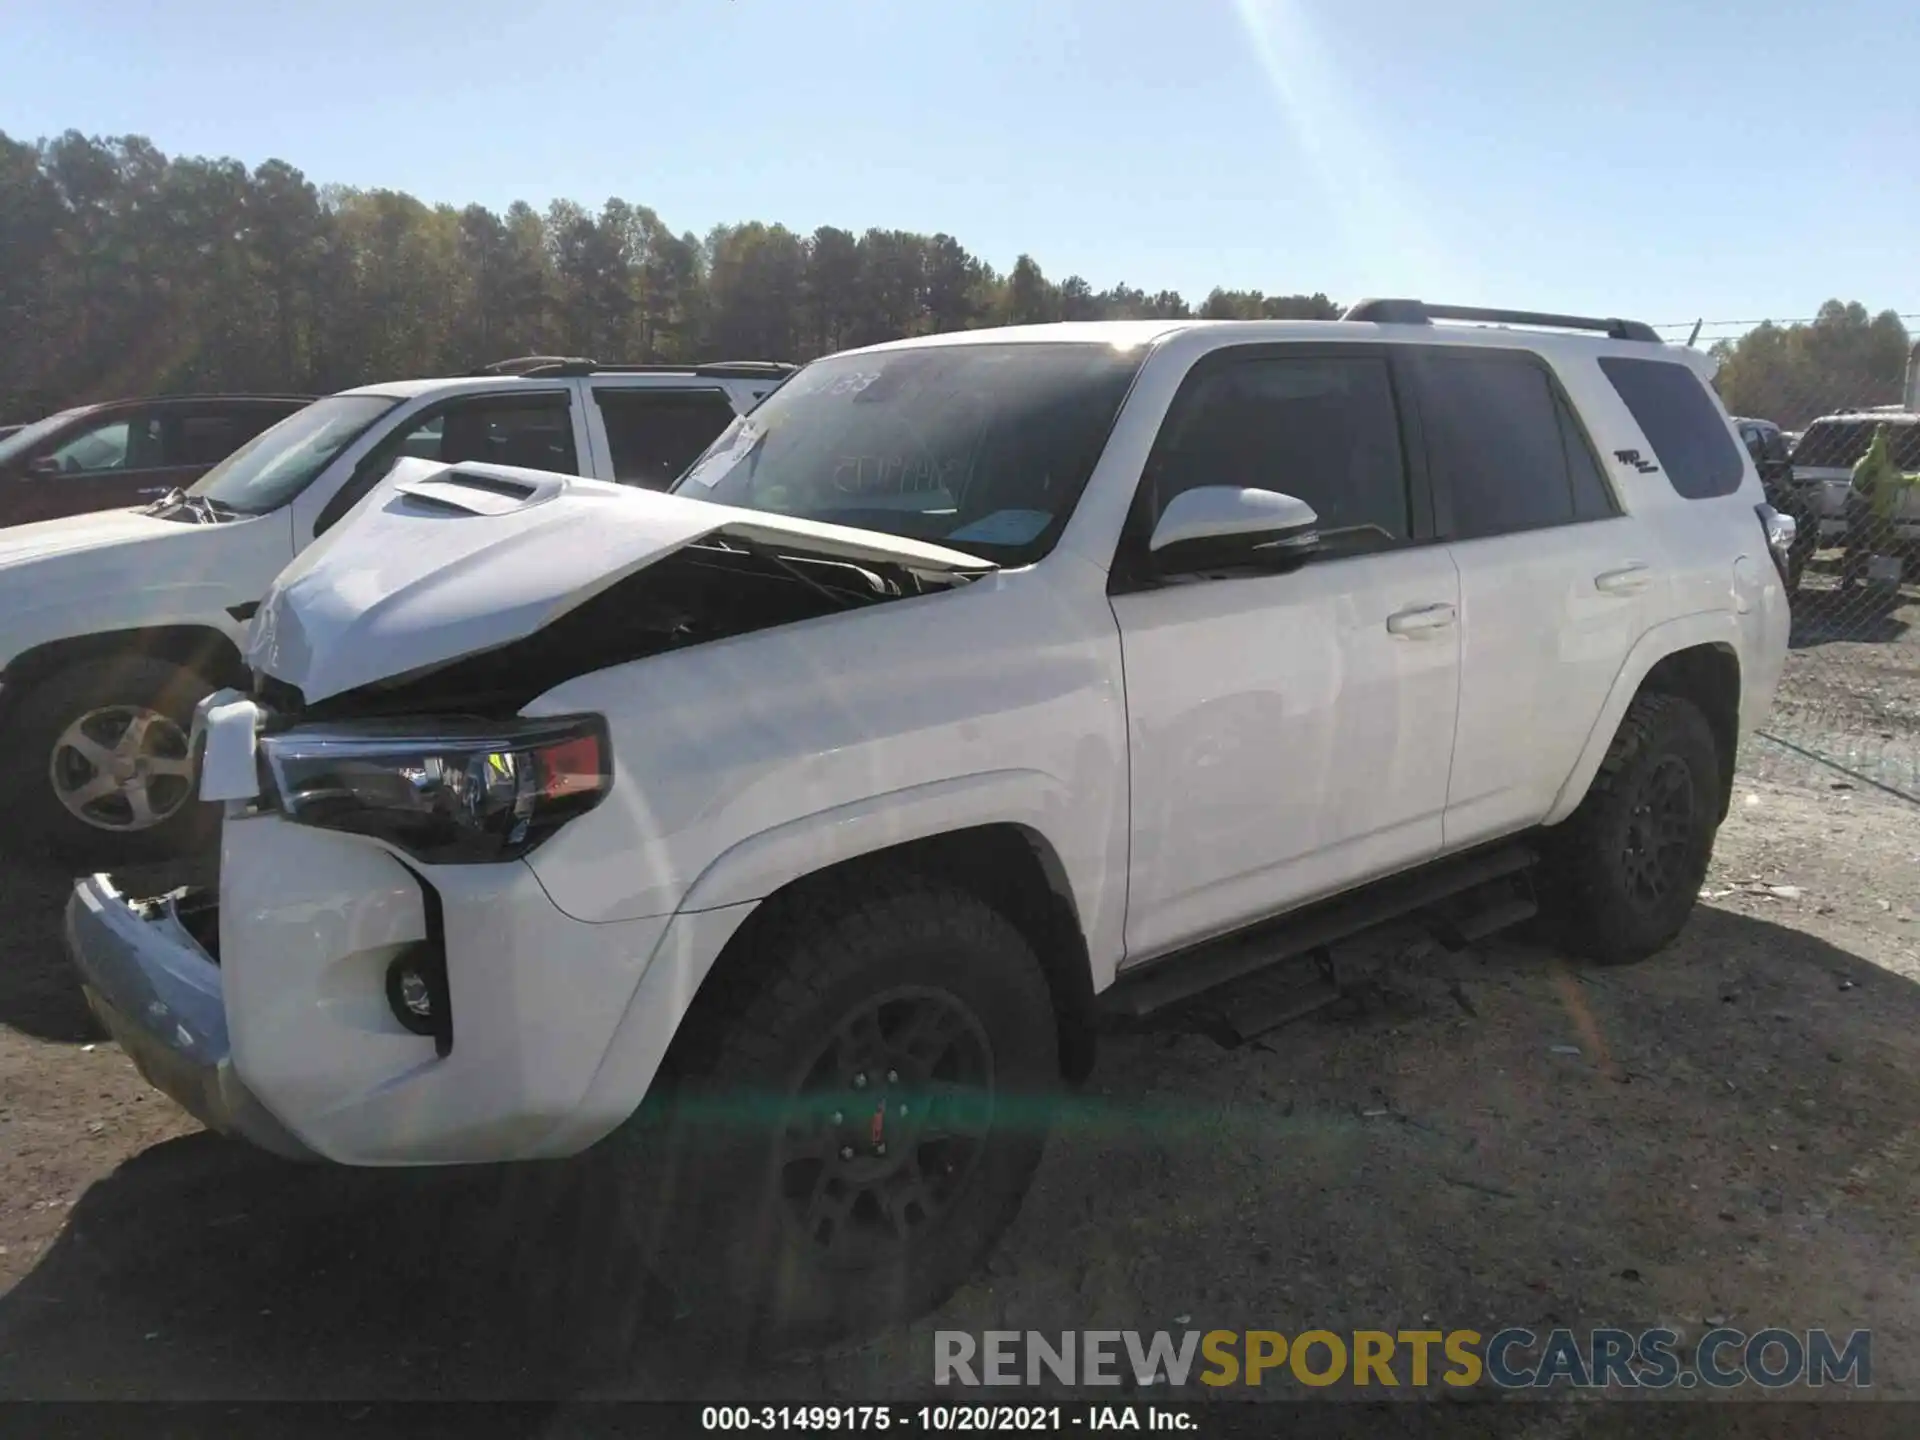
x: 155, y: 490
x: 1627, y: 580
x: 1418, y: 620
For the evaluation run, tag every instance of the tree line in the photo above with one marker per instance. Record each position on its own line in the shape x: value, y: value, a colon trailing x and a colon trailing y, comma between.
x: 124, y: 271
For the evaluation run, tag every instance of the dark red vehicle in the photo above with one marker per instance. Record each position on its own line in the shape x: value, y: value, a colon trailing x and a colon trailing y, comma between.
x: 126, y: 452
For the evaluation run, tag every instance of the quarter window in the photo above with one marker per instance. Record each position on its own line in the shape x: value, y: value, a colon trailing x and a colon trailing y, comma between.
x: 1690, y: 437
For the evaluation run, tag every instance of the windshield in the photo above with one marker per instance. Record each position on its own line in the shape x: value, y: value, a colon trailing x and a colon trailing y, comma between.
x: 25, y: 438
x: 280, y: 462
x: 1839, y: 444
x: 983, y: 448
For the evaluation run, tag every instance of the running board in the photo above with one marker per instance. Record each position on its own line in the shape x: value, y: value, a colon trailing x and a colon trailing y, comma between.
x: 1186, y: 973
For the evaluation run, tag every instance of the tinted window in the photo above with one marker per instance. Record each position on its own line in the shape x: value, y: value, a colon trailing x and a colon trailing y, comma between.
x: 1689, y: 435
x: 1496, y: 443
x: 1592, y: 499
x: 981, y: 447
x: 1839, y: 444
x: 202, y: 439
x: 1323, y: 429
x: 655, y: 434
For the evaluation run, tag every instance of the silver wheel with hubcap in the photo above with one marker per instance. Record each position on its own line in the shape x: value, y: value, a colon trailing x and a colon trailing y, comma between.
x: 122, y: 768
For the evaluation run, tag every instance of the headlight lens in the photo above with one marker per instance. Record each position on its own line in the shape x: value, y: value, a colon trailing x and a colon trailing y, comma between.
x: 452, y: 792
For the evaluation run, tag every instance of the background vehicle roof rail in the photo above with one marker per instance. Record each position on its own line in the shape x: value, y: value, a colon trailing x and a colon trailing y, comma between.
x: 1418, y: 312
x: 716, y: 370
x: 569, y: 365
x: 532, y: 365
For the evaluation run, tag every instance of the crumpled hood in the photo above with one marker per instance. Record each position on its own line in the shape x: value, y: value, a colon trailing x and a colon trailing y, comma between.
x: 452, y: 560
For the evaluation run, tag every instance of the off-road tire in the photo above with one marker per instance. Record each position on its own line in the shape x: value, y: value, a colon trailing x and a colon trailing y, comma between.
x: 38, y: 822
x: 703, y: 1190
x: 1591, y: 900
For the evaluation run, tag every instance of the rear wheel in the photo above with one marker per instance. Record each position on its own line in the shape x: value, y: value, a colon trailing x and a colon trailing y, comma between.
x: 854, y: 1115
x: 1624, y: 872
x: 97, y: 767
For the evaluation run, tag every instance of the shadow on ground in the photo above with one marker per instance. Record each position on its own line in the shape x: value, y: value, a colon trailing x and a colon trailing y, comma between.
x: 199, y: 1269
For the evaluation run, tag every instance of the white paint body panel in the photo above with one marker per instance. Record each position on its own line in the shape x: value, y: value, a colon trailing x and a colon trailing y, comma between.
x: 1188, y: 758
x: 1283, y: 739
x: 87, y: 576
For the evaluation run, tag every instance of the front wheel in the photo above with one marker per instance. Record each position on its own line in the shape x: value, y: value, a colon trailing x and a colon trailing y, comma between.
x: 857, y: 1108
x: 1624, y: 871
x: 97, y: 768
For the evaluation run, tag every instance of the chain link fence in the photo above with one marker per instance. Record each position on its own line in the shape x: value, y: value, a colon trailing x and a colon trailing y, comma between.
x: 1848, y: 708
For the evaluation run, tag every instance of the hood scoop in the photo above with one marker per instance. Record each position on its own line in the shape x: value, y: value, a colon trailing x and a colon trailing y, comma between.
x: 475, y: 492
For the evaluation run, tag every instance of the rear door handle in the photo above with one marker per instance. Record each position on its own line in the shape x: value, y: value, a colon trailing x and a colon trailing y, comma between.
x: 155, y: 490
x: 1627, y: 580
x: 1418, y: 620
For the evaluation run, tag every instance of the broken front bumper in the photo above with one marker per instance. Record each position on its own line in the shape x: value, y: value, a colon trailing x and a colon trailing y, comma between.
x: 158, y: 994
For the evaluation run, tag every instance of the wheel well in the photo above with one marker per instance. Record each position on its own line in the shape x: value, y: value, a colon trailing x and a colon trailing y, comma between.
x: 207, y: 653
x: 1707, y: 676
x: 1014, y: 870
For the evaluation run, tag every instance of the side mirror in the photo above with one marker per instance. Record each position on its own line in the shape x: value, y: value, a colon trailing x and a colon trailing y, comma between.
x: 42, y: 466
x: 1215, y: 527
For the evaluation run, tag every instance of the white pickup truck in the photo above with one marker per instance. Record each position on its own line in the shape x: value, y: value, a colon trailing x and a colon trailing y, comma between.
x: 114, y: 625
x: 777, y: 841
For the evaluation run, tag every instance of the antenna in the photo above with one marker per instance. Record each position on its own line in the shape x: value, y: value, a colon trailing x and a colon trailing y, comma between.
x: 1696, y: 333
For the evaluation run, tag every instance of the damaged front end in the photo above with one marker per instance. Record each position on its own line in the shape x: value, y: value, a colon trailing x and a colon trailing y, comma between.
x: 475, y: 588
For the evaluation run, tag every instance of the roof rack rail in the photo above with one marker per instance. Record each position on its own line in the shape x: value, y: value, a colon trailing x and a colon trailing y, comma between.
x: 715, y: 370
x: 532, y: 365
x: 1417, y: 312
x: 574, y: 365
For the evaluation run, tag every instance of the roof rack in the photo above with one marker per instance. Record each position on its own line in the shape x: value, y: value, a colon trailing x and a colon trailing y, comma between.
x: 530, y: 365
x: 575, y: 365
x: 1418, y: 312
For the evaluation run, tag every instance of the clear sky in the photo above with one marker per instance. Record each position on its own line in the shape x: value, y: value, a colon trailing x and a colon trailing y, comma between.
x: 1664, y: 159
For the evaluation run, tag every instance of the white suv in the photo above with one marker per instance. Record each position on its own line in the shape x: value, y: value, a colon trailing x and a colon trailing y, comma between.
x: 781, y: 838
x: 113, y: 626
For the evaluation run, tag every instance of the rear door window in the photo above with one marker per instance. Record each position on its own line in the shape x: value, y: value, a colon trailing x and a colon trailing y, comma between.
x: 1502, y: 447
x: 1690, y: 437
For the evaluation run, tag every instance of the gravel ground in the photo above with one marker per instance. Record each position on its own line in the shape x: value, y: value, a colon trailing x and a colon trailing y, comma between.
x: 1851, y: 689
x: 1497, y: 1137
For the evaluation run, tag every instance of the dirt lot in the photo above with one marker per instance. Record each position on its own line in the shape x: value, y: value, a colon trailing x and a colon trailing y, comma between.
x: 1498, y: 1138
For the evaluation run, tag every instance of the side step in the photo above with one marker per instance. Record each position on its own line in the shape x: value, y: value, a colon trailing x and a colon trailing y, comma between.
x: 1187, y: 973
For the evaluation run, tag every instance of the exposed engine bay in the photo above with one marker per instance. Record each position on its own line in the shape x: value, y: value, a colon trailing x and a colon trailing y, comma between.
x: 710, y: 590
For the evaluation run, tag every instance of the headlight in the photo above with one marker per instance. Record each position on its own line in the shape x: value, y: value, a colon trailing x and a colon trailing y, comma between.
x: 454, y: 792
